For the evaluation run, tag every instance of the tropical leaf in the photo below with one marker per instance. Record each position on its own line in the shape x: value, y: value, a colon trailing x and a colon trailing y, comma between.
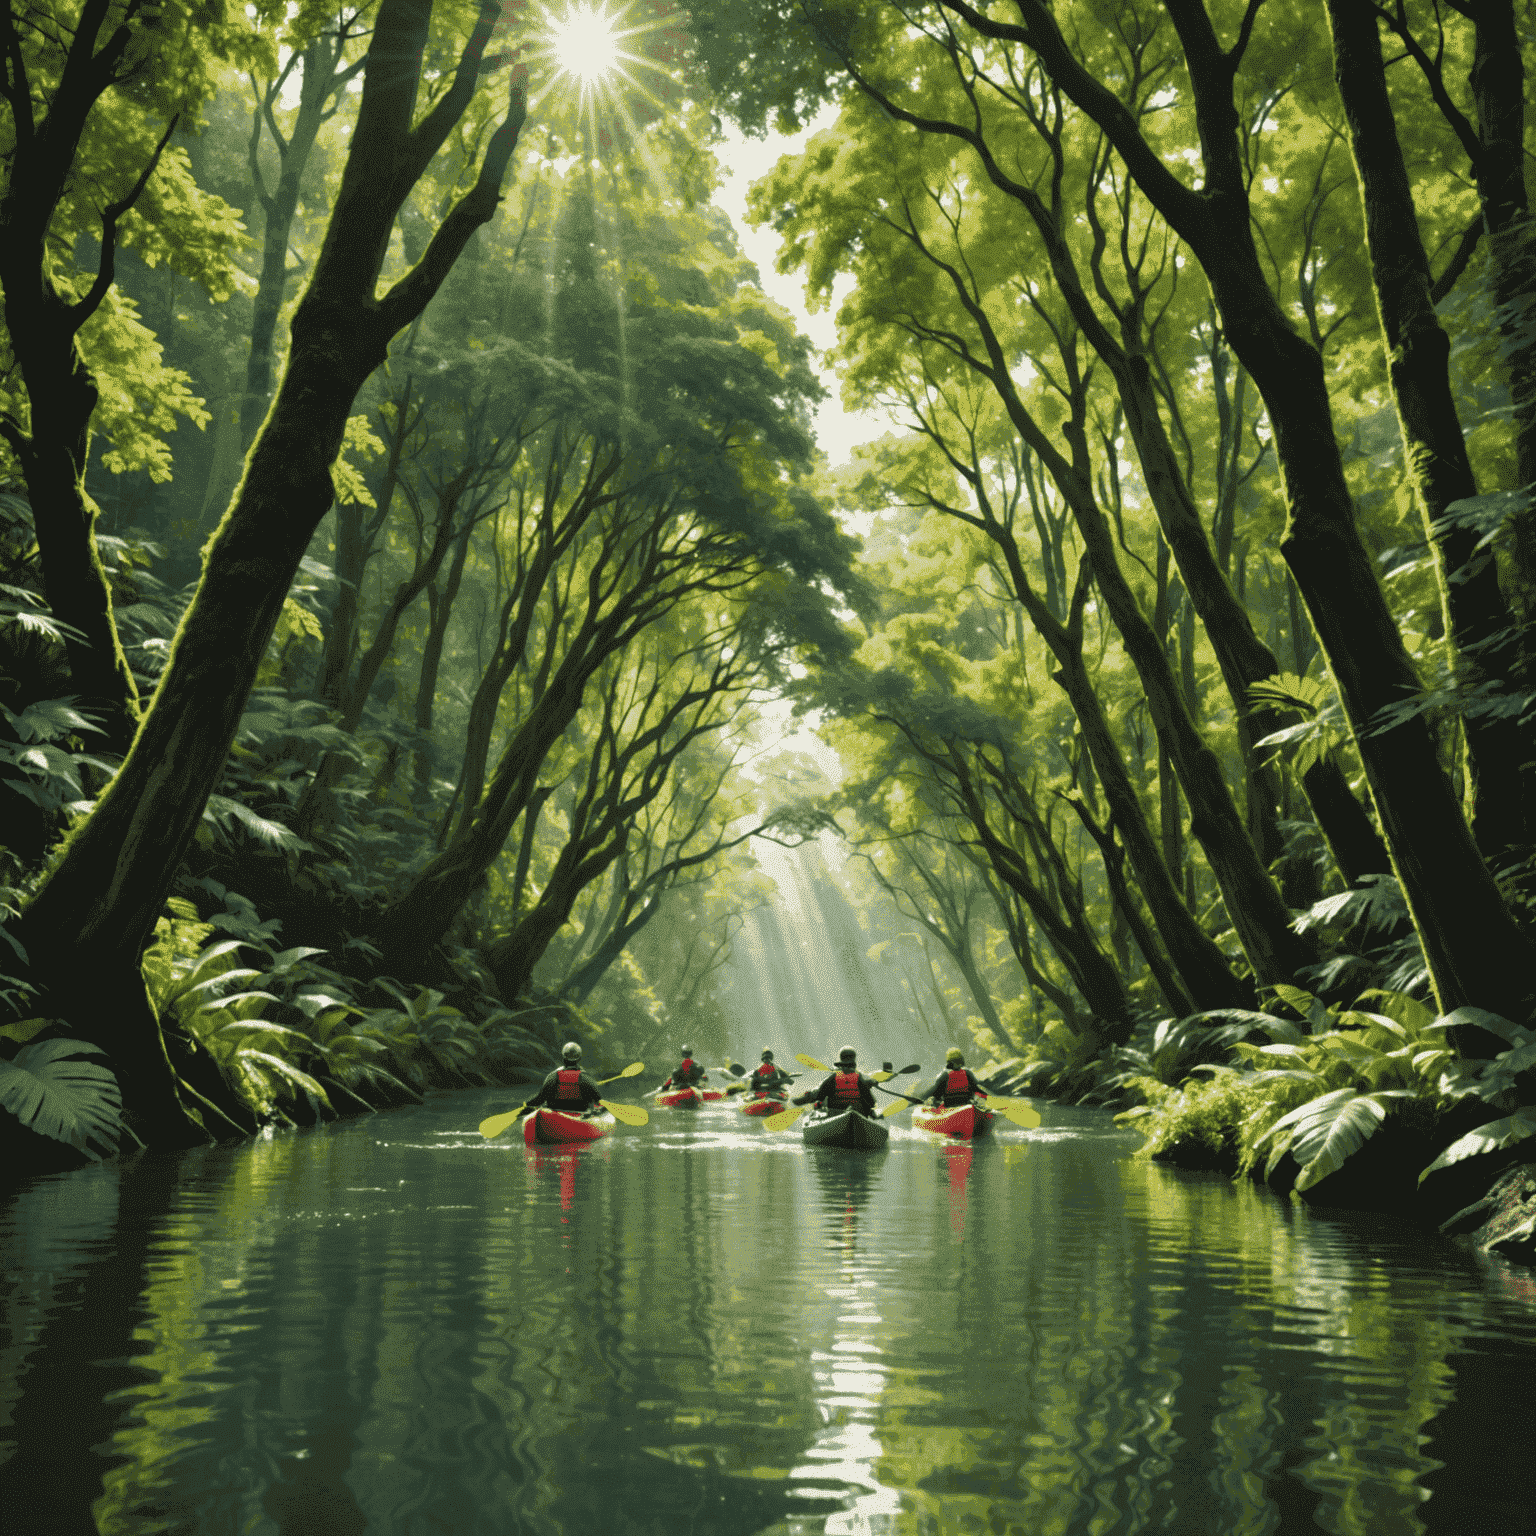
x: 257, y: 1063
x: 25, y: 1030
x: 1481, y: 1018
x: 49, y: 719
x: 221, y: 810
x: 1413, y: 1015
x: 1496, y: 1136
x: 1330, y: 1130
x: 1377, y: 903
x: 55, y: 1094
x: 1308, y: 1006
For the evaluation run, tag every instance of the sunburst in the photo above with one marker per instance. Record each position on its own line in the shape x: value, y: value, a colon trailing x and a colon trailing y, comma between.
x: 587, y: 44
x: 584, y: 44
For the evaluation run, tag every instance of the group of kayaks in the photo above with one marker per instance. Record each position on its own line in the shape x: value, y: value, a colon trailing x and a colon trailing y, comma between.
x: 849, y: 1128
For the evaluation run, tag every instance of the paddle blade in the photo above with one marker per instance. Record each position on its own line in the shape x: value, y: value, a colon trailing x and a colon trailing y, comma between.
x: 494, y: 1126
x: 784, y: 1119
x: 896, y: 1109
x: 810, y: 1061
x: 1015, y: 1110
x: 904, y: 1071
x: 634, y: 1069
x: 881, y: 1077
x: 630, y: 1114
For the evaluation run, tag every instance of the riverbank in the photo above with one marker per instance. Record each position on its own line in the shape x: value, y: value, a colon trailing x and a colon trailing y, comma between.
x: 1342, y: 1109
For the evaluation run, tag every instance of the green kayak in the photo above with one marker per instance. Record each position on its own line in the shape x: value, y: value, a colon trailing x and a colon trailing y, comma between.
x: 849, y: 1129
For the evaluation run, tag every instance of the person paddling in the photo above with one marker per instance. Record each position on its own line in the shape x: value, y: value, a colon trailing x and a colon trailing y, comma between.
x: 956, y: 1084
x: 567, y: 1088
x: 687, y: 1075
x: 846, y: 1088
x: 769, y: 1077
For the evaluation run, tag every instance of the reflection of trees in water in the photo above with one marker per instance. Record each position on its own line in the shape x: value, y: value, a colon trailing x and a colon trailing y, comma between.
x: 267, y: 1348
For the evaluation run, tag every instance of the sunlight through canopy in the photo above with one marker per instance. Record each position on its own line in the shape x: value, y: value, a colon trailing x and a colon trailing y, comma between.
x: 584, y: 43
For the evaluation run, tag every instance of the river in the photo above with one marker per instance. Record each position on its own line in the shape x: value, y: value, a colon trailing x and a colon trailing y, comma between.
x: 700, y: 1328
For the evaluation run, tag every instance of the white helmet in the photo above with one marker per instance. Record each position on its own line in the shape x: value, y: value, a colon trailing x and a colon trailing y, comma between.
x: 571, y: 1051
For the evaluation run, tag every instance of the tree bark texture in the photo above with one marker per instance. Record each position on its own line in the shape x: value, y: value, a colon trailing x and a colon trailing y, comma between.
x: 100, y: 903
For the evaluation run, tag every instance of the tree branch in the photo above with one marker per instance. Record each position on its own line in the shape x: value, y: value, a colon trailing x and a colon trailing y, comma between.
x: 1458, y: 263
x: 409, y: 296
x: 78, y: 314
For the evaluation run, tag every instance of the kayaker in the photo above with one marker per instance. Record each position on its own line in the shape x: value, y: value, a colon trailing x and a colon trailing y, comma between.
x: 567, y: 1087
x: 687, y: 1075
x: 769, y: 1077
x: 846, y: 1088
x: 956, y: 1084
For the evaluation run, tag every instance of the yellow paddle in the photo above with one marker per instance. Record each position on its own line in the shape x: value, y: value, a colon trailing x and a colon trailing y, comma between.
x: 874, y: 1077
x: 787, y: 1117
x: 496, y: 1124
x: 1015, y: 1110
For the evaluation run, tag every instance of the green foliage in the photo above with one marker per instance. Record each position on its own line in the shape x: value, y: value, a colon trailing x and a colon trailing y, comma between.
x: 1321, y: 733
x: 1496, y: 1136
x: 52, y: 1091
x: 46, y: 767
x: 1320, y: 1096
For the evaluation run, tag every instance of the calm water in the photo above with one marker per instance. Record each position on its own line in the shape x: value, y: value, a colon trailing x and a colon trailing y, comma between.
x: 394, y: 1327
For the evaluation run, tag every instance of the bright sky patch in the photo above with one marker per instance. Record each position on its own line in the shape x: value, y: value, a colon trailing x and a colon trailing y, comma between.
x: 584, y: 44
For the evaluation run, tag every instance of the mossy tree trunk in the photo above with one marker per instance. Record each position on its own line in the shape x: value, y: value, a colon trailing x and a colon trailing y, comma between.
x: 1475, y: 950
x: 44, y: 322
x: 86, y: 926
x: 1478, y: 619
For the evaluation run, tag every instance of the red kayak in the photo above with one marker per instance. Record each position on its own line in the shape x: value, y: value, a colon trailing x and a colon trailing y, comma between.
x: 680, y: 1098
x: 548, y: 1126
x: 967, y: 1121
x: 763, y: 1103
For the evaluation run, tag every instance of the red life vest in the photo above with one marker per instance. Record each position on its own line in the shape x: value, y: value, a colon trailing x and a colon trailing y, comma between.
x: 567, y: 1089
x: 767, y: 1072
x: 683, y: 1077
x: 846, y: 1088
x: 959, y: 1081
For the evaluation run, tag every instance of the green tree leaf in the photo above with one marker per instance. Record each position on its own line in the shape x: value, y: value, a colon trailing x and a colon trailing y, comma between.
x: 55, y: 1094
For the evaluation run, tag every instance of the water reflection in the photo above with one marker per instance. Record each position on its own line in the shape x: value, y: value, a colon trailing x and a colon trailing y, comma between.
x: 957, y: 1160
x: 391, y: 1327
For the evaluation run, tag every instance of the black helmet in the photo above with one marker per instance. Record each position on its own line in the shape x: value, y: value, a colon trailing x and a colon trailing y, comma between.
x: 687, y: 1050
x: 767, y: 1055
x: 571, y: 1051
x: 847, y: 1054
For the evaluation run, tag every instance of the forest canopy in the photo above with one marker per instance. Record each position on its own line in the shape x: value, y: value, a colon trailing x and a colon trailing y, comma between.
x: 415, y: 539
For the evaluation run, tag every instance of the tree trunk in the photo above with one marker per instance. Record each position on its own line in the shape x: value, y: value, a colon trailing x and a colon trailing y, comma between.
x: 319, y: 82
x: 99, y: 904
x: 1476, y: 615
x: 440, y: 609
x: 1475, y: 950
x: 44, y: 327
x: 1206, y: 976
